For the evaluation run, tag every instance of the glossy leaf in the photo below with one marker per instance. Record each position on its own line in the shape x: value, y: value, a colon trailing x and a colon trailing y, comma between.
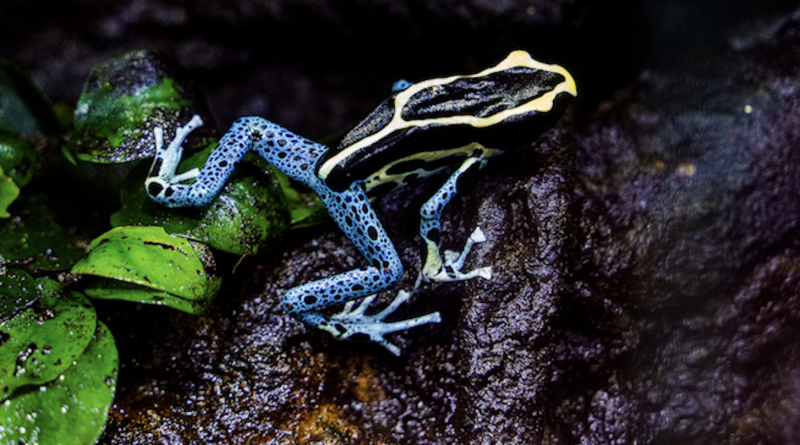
x: 24, y: 108
x: 18, y: 292
x: 107, y: 289
x: 17, y: 157
x: 305, y: 207
x: 249, y: 216
x: 41, y: 341
x: 8, y: 193
x: 165, y: 266
x: 73, y: 408
x: 33, y: 239
x: 123, y: 98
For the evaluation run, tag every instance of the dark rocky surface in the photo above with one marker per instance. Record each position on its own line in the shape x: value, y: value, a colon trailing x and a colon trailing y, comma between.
x: 646, y: 252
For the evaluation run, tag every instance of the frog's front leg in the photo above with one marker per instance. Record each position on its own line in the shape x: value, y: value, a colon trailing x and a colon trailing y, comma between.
x: 287, y: 151
x: 437, y: 268
x: 354, y: 214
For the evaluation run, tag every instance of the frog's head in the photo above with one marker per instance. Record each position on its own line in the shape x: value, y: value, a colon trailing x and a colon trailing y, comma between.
x: 504, y: 107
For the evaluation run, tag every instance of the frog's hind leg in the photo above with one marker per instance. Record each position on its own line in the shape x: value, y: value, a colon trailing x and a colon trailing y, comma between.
x: 303, y: 302
x: 448, y: 267
x: 351, y: 210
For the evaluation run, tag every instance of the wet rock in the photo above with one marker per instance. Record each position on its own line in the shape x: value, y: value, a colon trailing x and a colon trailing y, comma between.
x: 689, y: 205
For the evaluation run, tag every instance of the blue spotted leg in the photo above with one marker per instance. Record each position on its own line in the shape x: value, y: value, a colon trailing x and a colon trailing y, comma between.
x: 297, y: 158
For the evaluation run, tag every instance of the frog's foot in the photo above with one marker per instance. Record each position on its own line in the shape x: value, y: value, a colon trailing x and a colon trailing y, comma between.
x: 354, y: 322
x: 162, y: 174
x: 449, y: 269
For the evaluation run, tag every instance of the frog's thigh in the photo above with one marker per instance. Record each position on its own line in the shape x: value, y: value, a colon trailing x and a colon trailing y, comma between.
x: 355, y: 216
x: 431, y: 214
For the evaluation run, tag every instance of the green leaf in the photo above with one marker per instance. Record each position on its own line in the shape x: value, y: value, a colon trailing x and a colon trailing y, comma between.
x: 41, y: 341
x: 17, y: 157
x: 156, y: 261
x: 33, y: 239
x: 111, y: 117
x: 249, y: 216
x: 17, y: 292
x: 73, y: 408
x: 24, y: 108
x: 8, y: 193
x: 305, y: 207
x: 108, y: 289
x: 123, y: 99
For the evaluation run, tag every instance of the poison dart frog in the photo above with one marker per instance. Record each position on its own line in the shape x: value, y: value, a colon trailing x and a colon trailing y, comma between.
x: 452, y: 124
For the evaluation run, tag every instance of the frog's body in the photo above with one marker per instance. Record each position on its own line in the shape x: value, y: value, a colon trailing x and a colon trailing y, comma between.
x: 453, y: 124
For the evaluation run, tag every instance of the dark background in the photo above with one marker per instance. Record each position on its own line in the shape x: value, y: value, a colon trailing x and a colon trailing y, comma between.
x: 317, y: 66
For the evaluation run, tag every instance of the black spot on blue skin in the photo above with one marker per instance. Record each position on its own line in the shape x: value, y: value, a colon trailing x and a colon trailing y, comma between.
x: 169, y: 192
x: 373, y: 233
x: 310, y: 299
x: 348, y: 221
x: 433, y: 235
x: 360, y: 337
x: 340, y: 328
x: 154, y: 188
x: 282, y: 154
x: 357, y: 287
x: 282, y: 142
x: 223, y: 164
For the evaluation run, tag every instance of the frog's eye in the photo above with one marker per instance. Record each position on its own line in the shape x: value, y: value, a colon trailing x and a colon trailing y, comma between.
x: 400, y: 85
x: 502, y: 107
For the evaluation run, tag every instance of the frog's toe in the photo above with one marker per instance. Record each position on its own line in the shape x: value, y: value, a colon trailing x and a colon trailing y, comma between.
x: 354, y: 323
x: 162, y: 173
x: 453, y: 261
